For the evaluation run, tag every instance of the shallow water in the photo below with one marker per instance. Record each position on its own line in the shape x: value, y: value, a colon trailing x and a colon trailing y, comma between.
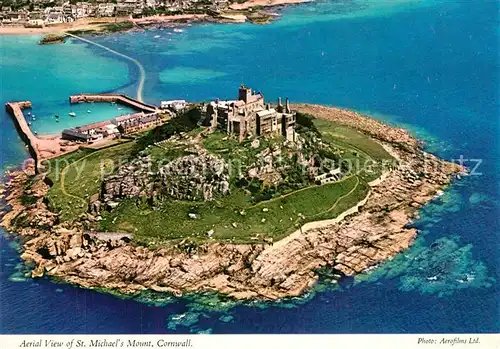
x: 431, y: 66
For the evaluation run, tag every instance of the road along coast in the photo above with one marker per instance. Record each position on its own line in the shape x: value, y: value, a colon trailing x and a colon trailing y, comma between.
x: 368, y: 234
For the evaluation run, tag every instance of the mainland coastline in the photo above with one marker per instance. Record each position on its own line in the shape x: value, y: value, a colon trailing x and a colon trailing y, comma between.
x: 254, y: 11
x: 367, y: 234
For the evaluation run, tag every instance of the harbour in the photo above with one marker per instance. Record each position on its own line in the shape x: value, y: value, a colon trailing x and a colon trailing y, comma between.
x: 45, y: 147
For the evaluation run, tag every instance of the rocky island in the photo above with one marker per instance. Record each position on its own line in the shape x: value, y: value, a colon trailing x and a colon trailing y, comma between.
x: 240, y: 197
x: 52, y: 39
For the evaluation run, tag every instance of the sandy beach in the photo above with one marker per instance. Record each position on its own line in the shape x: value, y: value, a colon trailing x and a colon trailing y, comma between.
x: 80, y: 24
x: 96, y: 24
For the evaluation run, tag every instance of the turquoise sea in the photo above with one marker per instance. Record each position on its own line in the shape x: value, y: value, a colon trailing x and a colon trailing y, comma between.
x: 430, y: 65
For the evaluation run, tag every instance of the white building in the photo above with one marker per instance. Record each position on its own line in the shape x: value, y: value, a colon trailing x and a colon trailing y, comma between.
x: 36, y: 22
x: 177, y: 104
x: 111, y: 130
x: 55, y: 18
x: 106, y: 10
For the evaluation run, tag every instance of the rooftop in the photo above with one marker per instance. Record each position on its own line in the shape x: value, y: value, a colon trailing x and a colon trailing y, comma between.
x: 129, y: 116
x: 266, y: 112
x: 93, y: 126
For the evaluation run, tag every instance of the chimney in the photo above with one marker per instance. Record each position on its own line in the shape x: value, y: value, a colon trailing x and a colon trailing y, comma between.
x: 287, y: 110
x: 268, y: 106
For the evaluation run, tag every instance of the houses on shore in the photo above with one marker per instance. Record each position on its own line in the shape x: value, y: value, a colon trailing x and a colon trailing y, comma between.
x: 38, y: 13
x: 41, y: 12
x: 115, y: 128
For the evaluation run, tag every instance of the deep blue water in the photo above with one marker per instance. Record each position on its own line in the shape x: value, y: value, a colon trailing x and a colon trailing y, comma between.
x: 432, y: 66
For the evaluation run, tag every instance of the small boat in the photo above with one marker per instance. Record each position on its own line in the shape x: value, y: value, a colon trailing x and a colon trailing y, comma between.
x: 88, y: 111
x: 119, y: 108
x: 29, y: 113
x: 72, y: 114
x: 177, y: 30
x: 29, y: 123
x: 113, y: 102
x: 57, y: 120
x: 35, y: 132
x: 157, y: 36
x: 56, y: 116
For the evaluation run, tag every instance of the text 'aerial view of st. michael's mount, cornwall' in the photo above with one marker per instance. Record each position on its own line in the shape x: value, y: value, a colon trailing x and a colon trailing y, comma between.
x: 234, y: 194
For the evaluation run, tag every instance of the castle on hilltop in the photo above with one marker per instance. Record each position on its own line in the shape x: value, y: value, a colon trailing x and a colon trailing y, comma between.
x: 251, y: 116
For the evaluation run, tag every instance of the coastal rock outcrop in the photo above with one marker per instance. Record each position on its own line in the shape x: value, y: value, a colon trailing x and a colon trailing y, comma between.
x: 195, y: 177
x: 371, y: 232
x: 191, y: 177
x: 133, y: 179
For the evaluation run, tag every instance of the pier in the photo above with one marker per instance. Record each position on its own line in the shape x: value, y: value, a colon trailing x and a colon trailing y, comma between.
x: 116, y: 98
x: 47, y: 147
x: 40, y: 147
x: 15, y: 109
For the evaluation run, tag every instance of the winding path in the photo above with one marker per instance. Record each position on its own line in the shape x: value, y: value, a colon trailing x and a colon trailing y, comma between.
x: 142, y: 71
x: 63, y: 177
x: 338, y: 200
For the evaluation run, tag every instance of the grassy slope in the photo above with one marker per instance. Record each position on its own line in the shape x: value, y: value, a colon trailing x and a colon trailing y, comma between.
x: 81, y: 172
x: 281, y: 214
x: 358, y: 148
x: 353, y: 138
x: 77, y: 176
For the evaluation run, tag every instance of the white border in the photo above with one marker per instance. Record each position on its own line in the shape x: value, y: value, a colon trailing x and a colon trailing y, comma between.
x: 252, y: 341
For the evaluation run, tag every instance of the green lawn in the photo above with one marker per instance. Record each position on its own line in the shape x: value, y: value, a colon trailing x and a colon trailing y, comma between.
x: 161, y: 155
x: 234, y: 218
x: 275, y: 218
x: 368, y: 158
x: 229, y: 148
x: 353, y: 138
x: 78, y: 175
